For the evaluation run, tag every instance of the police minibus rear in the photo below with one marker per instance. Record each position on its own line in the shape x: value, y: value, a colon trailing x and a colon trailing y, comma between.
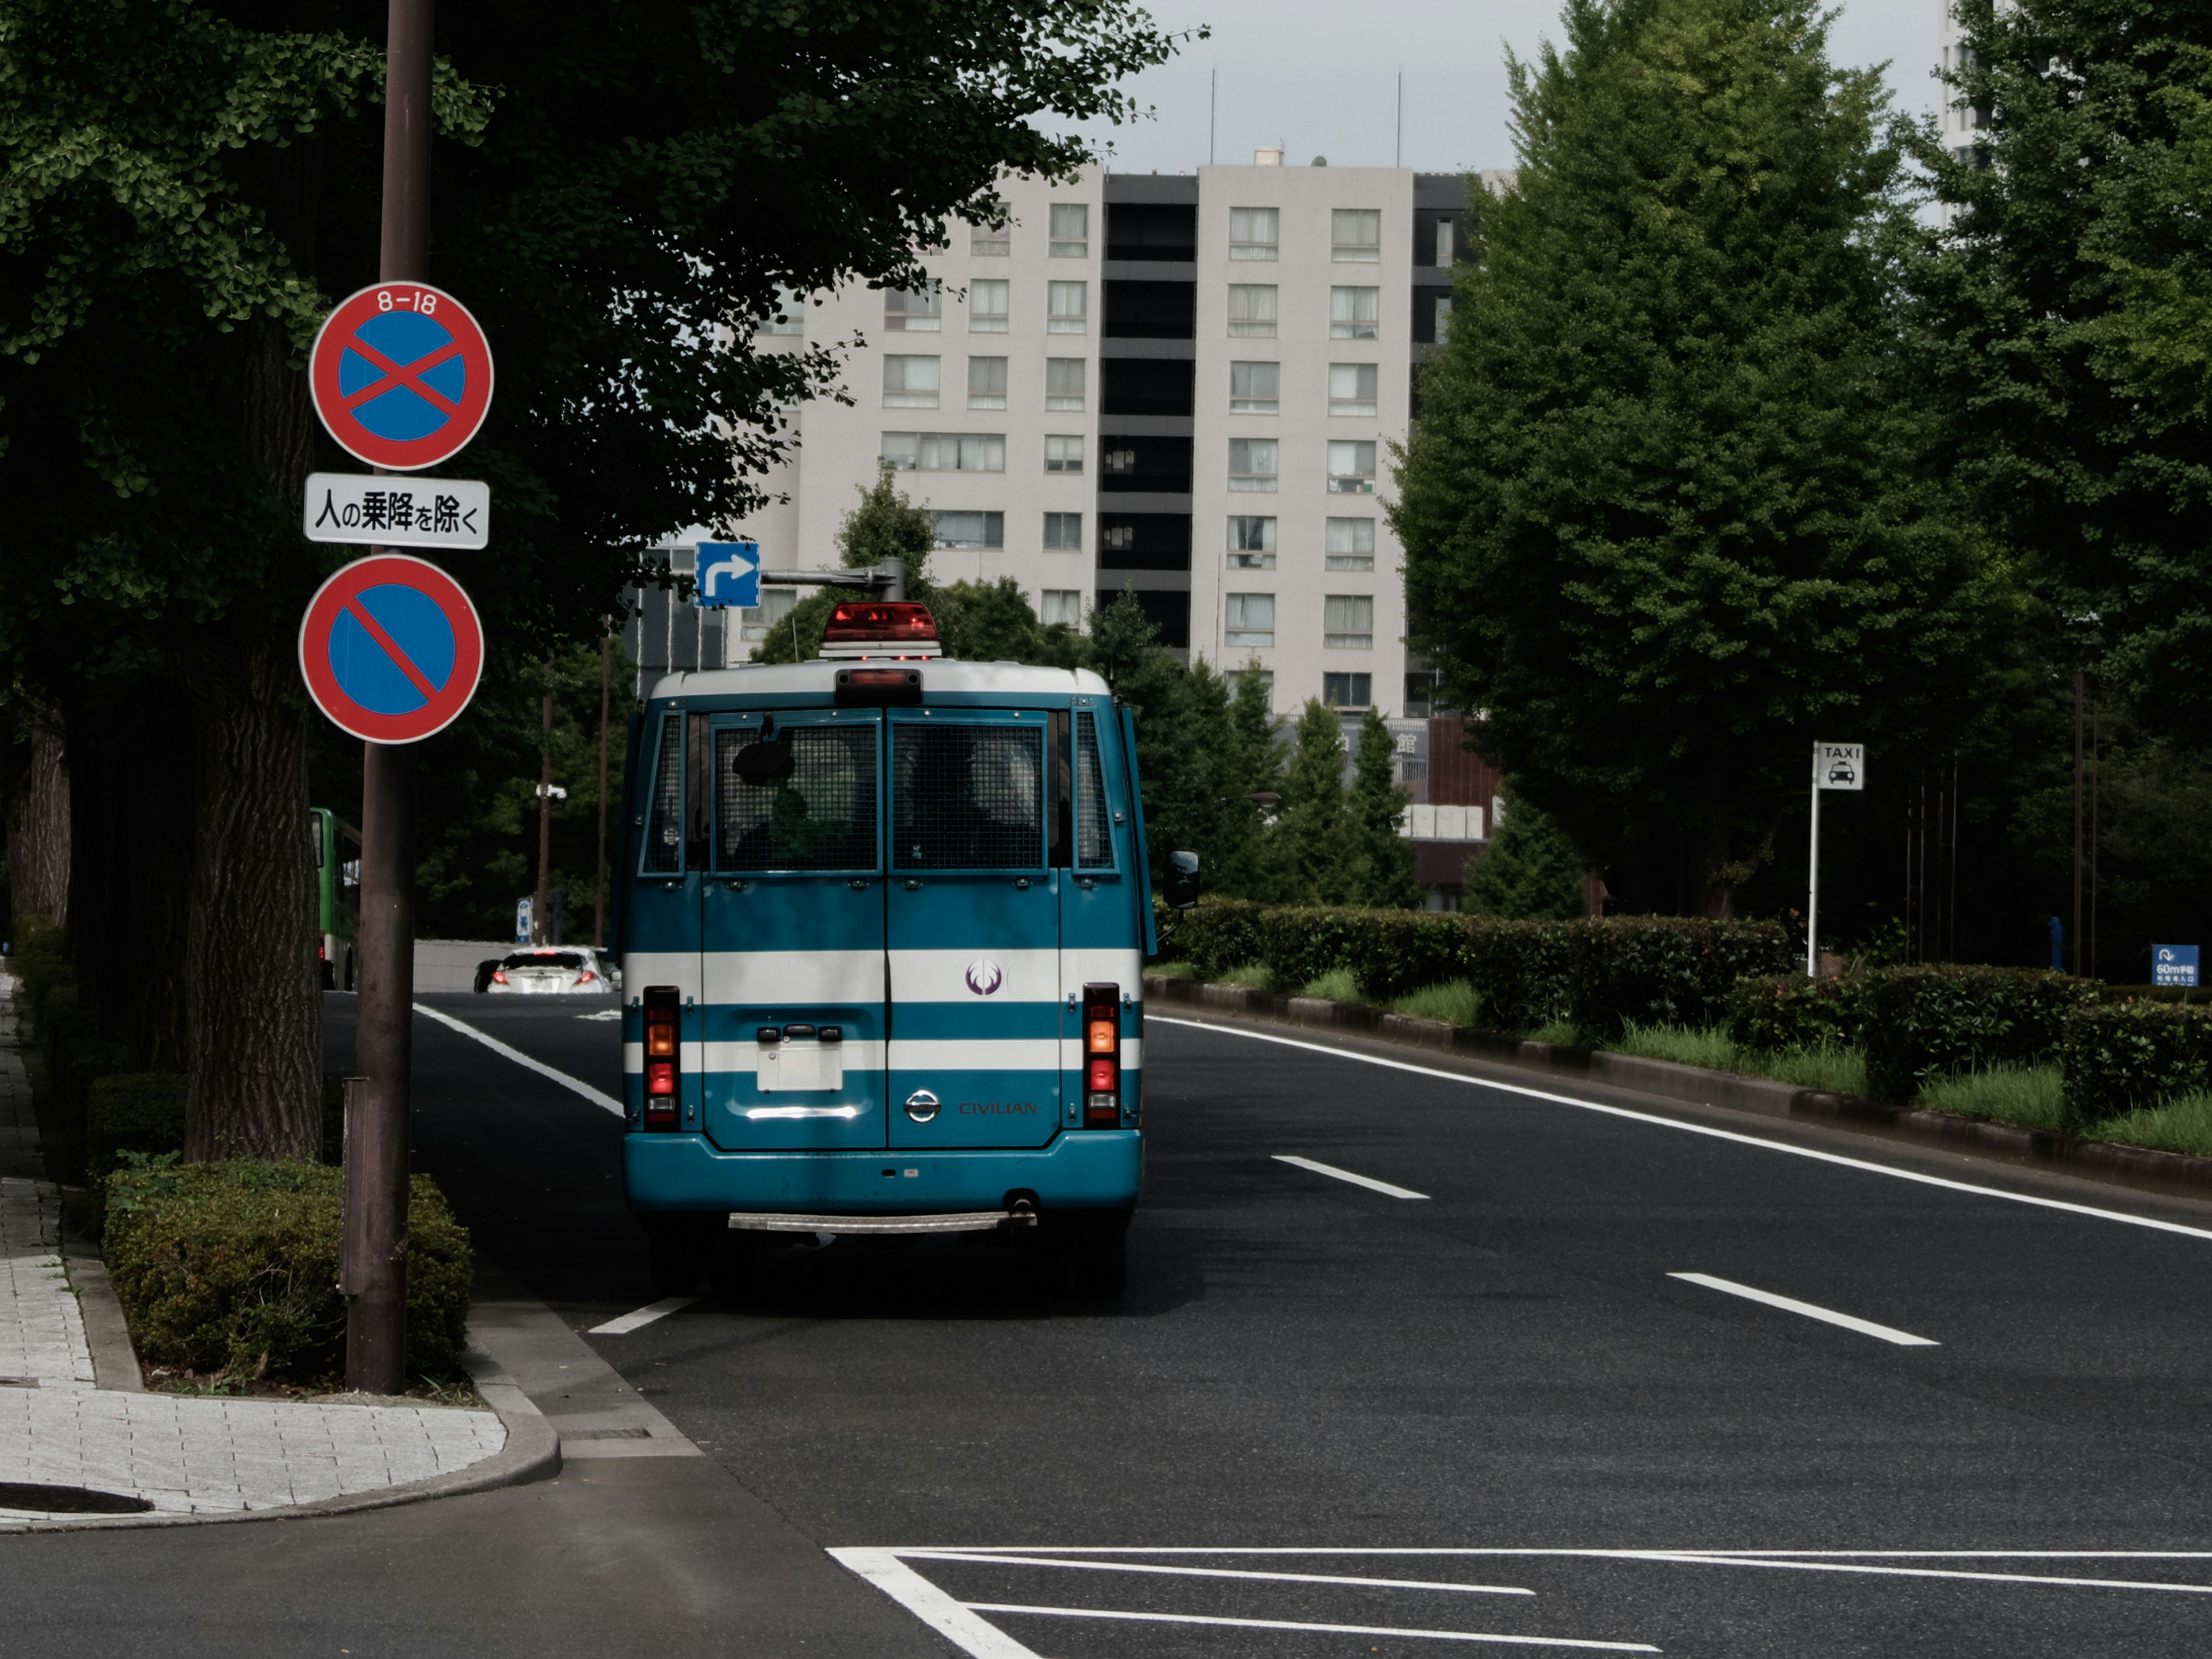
x: 883, y: 931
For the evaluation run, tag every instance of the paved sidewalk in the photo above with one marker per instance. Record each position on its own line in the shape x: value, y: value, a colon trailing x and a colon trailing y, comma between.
x: 185, y: 1454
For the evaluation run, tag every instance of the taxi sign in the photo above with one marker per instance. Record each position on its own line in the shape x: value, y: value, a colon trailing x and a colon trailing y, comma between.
x: 392, y: 648
x: 1840, y: 766
x: 401, y: 376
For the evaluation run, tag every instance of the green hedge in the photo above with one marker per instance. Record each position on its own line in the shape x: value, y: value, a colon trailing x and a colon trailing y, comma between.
x: 141, y: 1112
x: 1663, y: 971
x: 1789, y: 1014
x: 38, y: 959
x: 1923, y: 1022
x: 233, y: 1267
x: 2117, y: 1057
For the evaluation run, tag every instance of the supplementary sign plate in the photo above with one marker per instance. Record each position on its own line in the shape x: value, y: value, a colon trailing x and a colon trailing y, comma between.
x: 401, y: 376
x: 390, y: 648
x: 2173, y: 964
x: 1840, y: 766
x: 351, y: 507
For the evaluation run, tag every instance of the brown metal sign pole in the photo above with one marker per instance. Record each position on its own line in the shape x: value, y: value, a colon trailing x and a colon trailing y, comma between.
x: 376, y: 1317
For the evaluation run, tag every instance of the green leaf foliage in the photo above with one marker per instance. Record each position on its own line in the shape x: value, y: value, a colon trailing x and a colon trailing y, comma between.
x: 2134, y: 1055
x: 1529, y: 871
x: 1669, y: 512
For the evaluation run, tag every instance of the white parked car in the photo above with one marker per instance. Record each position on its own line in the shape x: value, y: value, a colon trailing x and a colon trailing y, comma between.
x: 546, y: 973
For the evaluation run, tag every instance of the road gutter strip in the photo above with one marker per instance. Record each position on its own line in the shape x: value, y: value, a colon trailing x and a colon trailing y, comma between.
x: 2169, y: 1173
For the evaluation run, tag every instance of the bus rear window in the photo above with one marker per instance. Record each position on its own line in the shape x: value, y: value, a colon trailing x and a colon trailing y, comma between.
x: 823, y: 817
x: 967, y: 797
x: 664, y: 832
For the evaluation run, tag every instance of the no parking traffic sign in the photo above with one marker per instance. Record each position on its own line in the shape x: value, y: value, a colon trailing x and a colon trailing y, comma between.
x: 401, y: 376
x: 392, y: 648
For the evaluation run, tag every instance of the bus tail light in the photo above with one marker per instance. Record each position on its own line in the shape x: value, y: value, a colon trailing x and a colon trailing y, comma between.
x: 1102, y: 1056
x: 663, y: 1060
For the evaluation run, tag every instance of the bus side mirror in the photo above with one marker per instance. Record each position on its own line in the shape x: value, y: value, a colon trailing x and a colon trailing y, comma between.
x: 1182, y: 880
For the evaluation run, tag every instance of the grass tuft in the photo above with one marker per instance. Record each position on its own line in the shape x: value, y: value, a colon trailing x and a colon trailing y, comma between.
x: 2182, y: 1124
x: 1709, y: 1047
x: 1833, y: 1071
x: 1337, y: 984
x: 1455, y: 1001
x: 1170, y: 971
x: 1561, y: 1031
x: 2026, y: 1094
x: 1837, y: 1071
x: 1252, y: 973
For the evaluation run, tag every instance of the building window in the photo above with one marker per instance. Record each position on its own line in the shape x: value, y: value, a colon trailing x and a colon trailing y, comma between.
x: 909, y: 382
x: 760, y: 622
x: 1347, y: 622
x: 1236, y: 677
x: 986, y: 306
x: 1347, y: 690
x: 1443, y: 317
x: 1071, y: 230
x: 1063, y: 383
x: 1252, y: 464
x: 1252, y: 233
x: 788, y: 315
x: 1254, y: 388
x: 945, y: 452
x: 1251, y: 543
x: 1350, y: 468
x: 1355, y: 236
x: 1063, y: 606
x: 1251, y: 311
x: 1063, y: 532
x: 1116, y: 537
x: 986, y: 383
x: 1250, y: 621
x: 1355, y: 314
x: 1350, y: 544
x: 913, y: 311
x: 987, y: 242
x: 1068, y: 304
x: 1063, y: 455
x: 971, y: 530
x: 1443, y: 241
x: 1352, y: 388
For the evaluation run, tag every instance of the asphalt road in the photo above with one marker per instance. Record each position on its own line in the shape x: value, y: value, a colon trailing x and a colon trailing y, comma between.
x: 1494, y: 1410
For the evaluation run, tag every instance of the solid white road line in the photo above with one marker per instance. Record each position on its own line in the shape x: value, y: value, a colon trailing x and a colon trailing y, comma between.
x: 1332, y: 1630
x: 643, y: 1317
x: 977, y: 1637
x: 1024, y: 1560
x: 1941, y: 1573
x: 598, y: 1098
x: 1346, y: 1174
x: 1707, y: 1130
x: 1825, y: 1316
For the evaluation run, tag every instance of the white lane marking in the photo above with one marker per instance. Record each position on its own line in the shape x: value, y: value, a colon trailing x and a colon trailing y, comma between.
x: 1707, y: 1130
x: 643, y: 1317
x: 596, y: 1096
x: 977, y: 1637
x: 604, y: 1013
x: 1346, y: 1174
x: 1750, y: 1557
x: 1941, y: 1572
x: 1332, y: 1630
x: 1025, y: 1560
x: 1825, y: 1316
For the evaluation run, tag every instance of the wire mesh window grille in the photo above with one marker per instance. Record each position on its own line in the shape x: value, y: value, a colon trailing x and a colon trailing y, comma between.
x: 823, y: 817
x: 664, y: 830
x: 1094, y: 835
x: 967, y: 797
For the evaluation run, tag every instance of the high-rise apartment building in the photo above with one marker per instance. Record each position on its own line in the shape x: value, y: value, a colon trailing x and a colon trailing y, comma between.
x: 1184, y: 386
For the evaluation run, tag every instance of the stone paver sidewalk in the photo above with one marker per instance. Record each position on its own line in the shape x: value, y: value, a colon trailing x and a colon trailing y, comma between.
x: 185, y: 1455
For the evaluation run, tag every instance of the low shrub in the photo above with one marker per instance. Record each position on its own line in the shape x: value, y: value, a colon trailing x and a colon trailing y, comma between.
x: 2031, y: 1096
x: 2126, y: 1057
x: 1217, y: 934
x: 233, y: 1268
x: 1923, y: 1022
x: 1780, y: 1013
x: 141, y: 1112
x: 1664, y: 970
x: 1454, y: 1002
x: 1519, y: 969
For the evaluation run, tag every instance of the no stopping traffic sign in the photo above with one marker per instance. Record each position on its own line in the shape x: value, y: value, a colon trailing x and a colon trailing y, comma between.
x: 392, y: 648
x: 401, y: 376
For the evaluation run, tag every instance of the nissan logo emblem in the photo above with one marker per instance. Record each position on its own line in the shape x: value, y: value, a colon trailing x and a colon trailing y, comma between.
x: 921, y: 1105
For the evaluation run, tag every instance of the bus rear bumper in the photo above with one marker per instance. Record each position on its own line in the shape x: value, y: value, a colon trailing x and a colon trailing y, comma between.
x: 1084, y: 1170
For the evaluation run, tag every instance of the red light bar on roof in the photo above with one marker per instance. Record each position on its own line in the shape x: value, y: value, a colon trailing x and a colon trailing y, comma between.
x: 880, y: 627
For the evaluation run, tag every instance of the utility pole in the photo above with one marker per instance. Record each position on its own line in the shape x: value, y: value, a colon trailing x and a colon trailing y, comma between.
x: 537, y: 913
x: 376, y: 1315
x: 599, y: 883
x: 2077, y: 824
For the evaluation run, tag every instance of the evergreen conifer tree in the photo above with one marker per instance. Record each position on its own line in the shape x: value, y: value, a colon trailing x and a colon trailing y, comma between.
x: 1316, y: 834
x: 1378, y: 802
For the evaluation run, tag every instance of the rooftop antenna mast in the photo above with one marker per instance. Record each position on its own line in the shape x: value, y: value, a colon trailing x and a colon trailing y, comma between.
x: 1399, y: 161
x: 1213, y: 112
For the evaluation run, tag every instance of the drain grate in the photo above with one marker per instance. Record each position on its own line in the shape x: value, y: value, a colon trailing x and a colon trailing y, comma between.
x: 68, y: 1500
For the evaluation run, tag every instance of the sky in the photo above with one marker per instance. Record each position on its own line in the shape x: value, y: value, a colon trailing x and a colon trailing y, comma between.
x: 1317, y: 79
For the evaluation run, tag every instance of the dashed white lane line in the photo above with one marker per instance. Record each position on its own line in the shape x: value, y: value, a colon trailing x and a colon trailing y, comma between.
x: 1711, y: 1133
x: 1331, y: 1630
x: 1032, y: 1560
x: 1346, y: 1175
x: 1811, y: 1310
x: 598, y: 1098
x: 643, y: 1317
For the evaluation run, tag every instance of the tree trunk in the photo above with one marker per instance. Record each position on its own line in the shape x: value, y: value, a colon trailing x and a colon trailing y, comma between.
x: 38, y: 833
x: 1721, y: 872
x: 254, y: 989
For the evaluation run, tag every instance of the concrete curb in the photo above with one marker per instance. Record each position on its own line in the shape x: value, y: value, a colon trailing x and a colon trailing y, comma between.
x: 2172, y: 1174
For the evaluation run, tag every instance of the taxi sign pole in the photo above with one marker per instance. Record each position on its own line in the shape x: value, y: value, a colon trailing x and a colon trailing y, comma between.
x: 376, y: 1194
x: 1812, y: 895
